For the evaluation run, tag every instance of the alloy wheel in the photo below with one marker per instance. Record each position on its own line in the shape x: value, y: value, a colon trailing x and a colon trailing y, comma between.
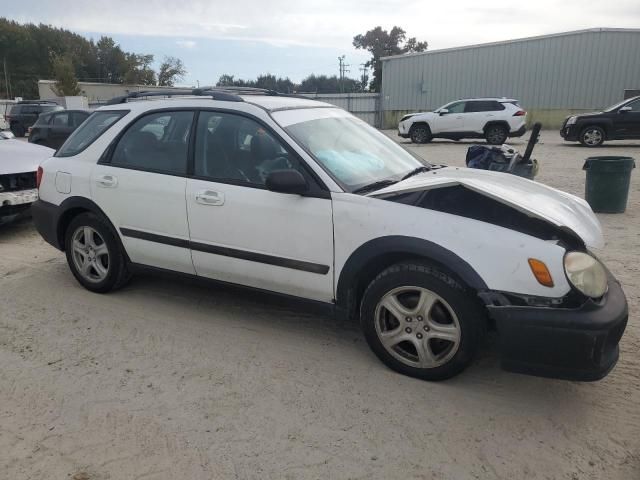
x: 417, y: 327
x: 90, y: 254
x: 592, y: 137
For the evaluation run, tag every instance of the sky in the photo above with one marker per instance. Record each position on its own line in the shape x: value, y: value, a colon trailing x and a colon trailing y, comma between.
x: 293, y: 39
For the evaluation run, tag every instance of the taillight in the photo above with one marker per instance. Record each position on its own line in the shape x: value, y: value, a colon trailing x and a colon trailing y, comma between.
x: 39, y: 177
x: 520, y: 113
x: 29, y: 130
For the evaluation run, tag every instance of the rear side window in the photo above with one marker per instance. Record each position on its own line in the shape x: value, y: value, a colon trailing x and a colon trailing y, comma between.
x: 157, y: 142
x: 77, y: 118
x: 484, y: 106
x: 89, y: 131
x: 48, y: 108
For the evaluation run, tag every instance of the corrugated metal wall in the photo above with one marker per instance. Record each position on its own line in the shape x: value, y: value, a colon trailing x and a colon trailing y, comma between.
x: 362, y: 105
x: 579, y: 70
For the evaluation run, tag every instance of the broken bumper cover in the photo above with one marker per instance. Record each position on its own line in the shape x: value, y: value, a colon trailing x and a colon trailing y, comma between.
x: 15, y: 203
x: 572, y: 344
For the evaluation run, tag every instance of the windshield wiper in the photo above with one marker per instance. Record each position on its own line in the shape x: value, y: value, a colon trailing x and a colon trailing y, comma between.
x: 375, y: 186
x: 416, y: 171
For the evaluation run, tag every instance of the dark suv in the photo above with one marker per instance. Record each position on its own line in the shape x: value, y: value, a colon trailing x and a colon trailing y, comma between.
x: 25, y: 113
x: 618, y: 122
x: 52, y: 129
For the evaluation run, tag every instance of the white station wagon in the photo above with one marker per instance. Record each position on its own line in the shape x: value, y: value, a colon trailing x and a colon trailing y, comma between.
x: 301, y: 198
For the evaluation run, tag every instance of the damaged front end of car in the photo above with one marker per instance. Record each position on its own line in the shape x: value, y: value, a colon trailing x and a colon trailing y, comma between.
x: 574, y: 336
x: 17, y: 192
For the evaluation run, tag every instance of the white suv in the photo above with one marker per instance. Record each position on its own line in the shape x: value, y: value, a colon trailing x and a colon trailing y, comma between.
x: 494, y: 119
x: 303, y: 199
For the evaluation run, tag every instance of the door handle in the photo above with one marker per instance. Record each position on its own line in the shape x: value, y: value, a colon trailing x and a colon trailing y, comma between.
x: 107, y: 181
x: 209, y: 197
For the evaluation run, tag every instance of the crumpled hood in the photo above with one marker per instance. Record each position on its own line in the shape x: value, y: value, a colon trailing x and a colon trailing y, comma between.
x: 17, y: 156
x: 534, y: 199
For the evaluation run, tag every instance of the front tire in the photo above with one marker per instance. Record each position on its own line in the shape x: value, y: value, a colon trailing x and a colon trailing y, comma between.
x: 94, y: 254
x: 592, y: 136
x: 419, y: 321
x: 420, y: 134
x: 496, y: 134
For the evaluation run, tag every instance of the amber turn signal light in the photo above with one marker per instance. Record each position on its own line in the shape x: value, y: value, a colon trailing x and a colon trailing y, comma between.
x: 541, y: 272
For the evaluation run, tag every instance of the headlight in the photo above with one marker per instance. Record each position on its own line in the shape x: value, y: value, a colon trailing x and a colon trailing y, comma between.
x: 586, y: 274
x: 571, y: 120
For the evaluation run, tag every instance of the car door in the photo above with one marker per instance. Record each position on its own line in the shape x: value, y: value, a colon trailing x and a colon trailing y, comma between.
x: 60, y: 127
x: 627, y: 122
x: 479, y: 112
x: 140, y: 185
x: 453, y: 119
x: 243, y: 233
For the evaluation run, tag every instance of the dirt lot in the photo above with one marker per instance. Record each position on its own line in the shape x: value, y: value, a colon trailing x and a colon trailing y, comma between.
x: 174, y: 380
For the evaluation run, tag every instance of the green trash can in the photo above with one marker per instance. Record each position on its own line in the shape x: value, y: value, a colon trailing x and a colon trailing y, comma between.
x: 607, y: 186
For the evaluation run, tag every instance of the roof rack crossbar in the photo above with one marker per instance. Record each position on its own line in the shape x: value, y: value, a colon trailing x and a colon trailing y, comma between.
x: 229, y: 94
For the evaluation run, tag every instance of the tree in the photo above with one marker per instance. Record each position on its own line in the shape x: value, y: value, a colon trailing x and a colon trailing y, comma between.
x: 138, y: 71
x: 325, y: 84
x: 171, y: 70
x: 381, y: 43
x: 65, y: 76
x: 112, y: 61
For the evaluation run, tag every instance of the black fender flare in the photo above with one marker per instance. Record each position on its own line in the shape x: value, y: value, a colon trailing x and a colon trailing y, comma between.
x: 418, y: 123
x: 502, y: 123
x: 398, y: 246
x: 67, y: 209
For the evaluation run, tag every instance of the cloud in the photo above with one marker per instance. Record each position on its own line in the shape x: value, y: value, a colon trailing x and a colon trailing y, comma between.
x: 187, y: 43
x: 327, y: 23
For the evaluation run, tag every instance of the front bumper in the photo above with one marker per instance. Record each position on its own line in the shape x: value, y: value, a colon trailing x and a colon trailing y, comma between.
x: 573, y: 344
x: 13, y: 204
x: 569, y: 133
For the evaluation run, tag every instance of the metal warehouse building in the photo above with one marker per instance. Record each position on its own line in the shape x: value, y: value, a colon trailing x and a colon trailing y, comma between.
x: 551, y: 75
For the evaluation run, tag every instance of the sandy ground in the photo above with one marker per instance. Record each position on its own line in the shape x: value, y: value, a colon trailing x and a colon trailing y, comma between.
x: 174, y: 380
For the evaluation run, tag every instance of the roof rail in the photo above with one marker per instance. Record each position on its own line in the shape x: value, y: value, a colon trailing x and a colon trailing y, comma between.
x: 228, y: 94
x: 34, y: 102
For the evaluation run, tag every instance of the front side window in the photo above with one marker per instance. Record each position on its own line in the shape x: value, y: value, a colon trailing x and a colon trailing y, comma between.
x: 635, y: 106
x: 235, y: 148
x: 457, y: 107
x: 157, y: 142
x: 98, y: 123
x: 355, y: 153
x: 61, y: 120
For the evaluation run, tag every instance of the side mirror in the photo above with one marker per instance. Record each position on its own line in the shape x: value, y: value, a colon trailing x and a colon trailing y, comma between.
x: 443, y: 111
x: 287, y: 181
x: 624, y: 109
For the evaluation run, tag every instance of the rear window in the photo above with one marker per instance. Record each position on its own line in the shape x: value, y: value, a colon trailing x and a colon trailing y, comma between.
x: 90, y: 131
x: 50, y: 108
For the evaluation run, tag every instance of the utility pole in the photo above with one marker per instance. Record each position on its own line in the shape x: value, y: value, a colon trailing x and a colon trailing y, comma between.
x: 343, y: 69
x: 6, y: 80
x: 364, y: 77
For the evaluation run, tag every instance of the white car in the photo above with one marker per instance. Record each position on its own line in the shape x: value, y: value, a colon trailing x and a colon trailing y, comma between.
x: 301, y: 198
x: 494, y: 119
x: 18, y: 165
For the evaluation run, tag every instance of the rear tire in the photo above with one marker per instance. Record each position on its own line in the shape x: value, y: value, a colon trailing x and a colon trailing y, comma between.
x: 94, y: 254
x: 419, y: 321
x: 420, y: 134
x: 18, y: 130
x: 592, y: 136
x: 496, y: 134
